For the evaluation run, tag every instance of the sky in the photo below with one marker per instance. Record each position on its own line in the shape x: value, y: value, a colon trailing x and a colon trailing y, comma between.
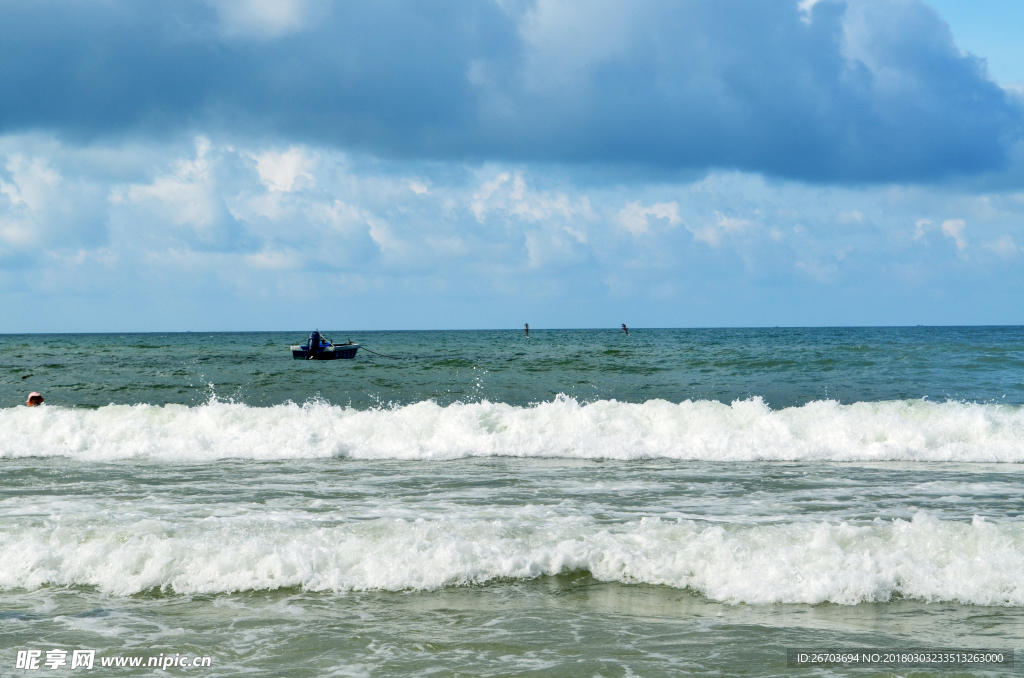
x: 239, y: 165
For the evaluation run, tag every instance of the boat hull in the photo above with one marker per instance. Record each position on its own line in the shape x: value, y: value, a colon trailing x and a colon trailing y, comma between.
x: 343, y: 352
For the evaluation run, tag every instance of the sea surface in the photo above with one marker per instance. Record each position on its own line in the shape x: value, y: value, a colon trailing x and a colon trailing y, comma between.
x: 579, y: 503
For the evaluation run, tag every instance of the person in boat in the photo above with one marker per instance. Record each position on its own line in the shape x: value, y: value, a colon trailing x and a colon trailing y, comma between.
x: 625, y: 329
x: 34, y: 399
x: 527, y: 330
x: 314, y: 344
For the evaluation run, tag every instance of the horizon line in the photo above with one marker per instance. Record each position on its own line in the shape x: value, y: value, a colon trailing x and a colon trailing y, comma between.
x: 532, y: 329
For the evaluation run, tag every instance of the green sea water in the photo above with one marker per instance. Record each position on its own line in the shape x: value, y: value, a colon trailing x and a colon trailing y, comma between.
x: 582, y: 503
x: 786, y: 367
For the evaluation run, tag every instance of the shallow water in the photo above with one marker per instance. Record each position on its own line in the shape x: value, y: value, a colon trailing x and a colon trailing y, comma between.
x: 656, y: 520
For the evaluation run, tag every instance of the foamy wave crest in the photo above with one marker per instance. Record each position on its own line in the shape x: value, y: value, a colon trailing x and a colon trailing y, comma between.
x: 927, y: 559
x: 746, y: 430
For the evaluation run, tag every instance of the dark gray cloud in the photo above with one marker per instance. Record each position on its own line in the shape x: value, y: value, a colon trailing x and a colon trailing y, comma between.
x: 864, y: 91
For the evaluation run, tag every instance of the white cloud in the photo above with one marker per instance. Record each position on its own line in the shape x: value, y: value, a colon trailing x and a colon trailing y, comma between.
x: 954, y: 228
x: 920, y: 226
x: 32, y: 187
x: 382, y: 234
x: 1005, y: 247
x: 731, y: 224
x: 288, y: 171
x: 634, y: 216
x: 343, y: 218
x: 508, y: 195
x: 805, y: 7
x: 263, y: 18
x: 272, y: 260
x: 32, y: 182
x: 712, y: 234
x: 487, y: 189
x: 45, y: 204
x: 185, y: 197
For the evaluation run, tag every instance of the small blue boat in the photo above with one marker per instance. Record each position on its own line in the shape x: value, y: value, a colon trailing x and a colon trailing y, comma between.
x: 319, y: 347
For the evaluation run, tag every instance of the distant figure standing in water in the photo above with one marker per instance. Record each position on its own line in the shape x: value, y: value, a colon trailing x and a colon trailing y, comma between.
x: 625, y: 329
x: 34, y: 399
x: 527, y: 330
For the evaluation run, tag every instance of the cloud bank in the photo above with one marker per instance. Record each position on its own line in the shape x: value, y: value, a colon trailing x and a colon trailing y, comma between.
x: 212, y: 235
x: 823, y: 92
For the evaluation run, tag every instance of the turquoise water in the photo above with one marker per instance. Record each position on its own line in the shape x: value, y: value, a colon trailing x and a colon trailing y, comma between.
x: 580, y: 503
x: 785, y: 367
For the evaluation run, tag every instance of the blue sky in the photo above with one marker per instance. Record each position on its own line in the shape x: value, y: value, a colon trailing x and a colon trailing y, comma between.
x: 248, y: 164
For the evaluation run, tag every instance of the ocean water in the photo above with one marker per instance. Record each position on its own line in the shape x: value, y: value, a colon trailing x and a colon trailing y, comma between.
x: 582, y: 503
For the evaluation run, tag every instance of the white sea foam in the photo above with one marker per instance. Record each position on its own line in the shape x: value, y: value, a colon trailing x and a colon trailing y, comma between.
x: 746, y: 430
x: 977, y: 562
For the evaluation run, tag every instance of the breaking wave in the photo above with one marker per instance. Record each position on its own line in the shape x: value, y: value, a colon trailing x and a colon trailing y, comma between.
x: 746, y: 430
x: 925, y: 558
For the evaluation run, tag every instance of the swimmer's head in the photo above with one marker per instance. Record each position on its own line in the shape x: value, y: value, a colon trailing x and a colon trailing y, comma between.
x: 34, y: 399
